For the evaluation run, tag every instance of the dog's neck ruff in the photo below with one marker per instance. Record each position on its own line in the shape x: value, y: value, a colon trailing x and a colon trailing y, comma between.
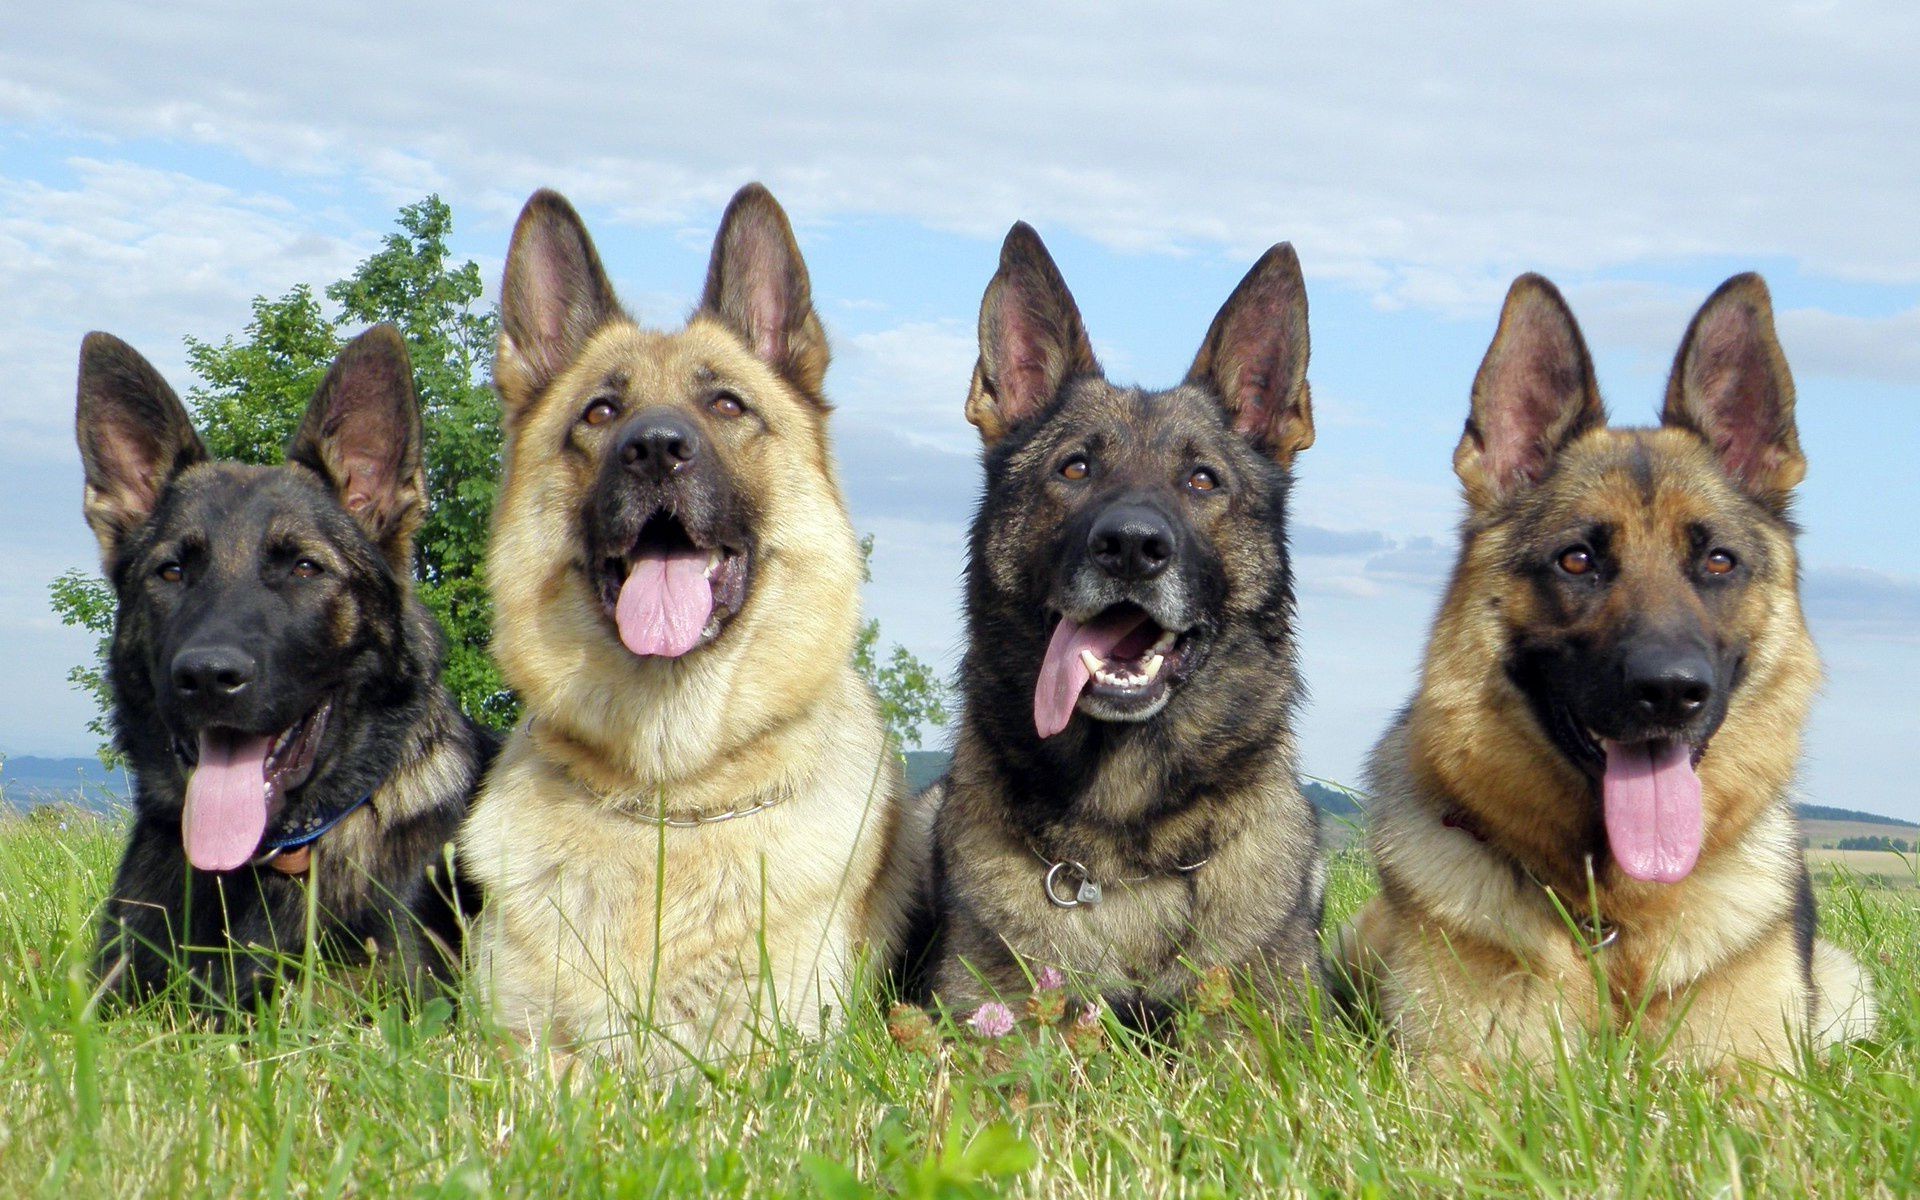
x: 1592, y: 933
x: 287, y: 852
x: 1066, y: 873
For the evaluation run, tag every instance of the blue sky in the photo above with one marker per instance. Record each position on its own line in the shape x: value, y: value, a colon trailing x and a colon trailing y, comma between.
x: 159, y: 168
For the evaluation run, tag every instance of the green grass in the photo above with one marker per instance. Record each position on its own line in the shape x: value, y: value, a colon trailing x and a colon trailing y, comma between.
x: 358, y: 1098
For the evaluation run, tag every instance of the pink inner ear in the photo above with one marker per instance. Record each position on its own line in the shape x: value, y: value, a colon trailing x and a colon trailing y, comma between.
x: 767, y: 314
x: 1536, y: 385
x: 364, y: 475
x: 1740, y: 399
x: 133, y: 462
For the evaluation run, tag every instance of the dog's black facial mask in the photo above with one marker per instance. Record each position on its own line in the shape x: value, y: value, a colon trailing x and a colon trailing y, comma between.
x: 245, y: 587
x: 1136, y: 516
x: 250, y: 598
x: 667, y: 532
x: 1131, y: 492
x: 669, y: 537
x: 1633, y: 550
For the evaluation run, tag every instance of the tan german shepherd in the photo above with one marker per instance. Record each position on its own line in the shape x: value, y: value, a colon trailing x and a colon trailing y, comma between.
x: 1583, y: 818
x: 689, y: 836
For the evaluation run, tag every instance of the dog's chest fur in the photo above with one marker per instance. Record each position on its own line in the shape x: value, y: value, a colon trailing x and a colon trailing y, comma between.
x: 600, y: 921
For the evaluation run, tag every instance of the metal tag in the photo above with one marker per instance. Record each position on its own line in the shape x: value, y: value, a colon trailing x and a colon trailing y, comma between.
x: 1089, y: 892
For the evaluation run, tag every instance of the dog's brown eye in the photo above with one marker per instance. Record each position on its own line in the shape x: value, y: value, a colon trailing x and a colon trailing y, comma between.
x: 1075, y: 468
x: 600, y: 412
x: 1202, y: 480
x: 1576, y: 560
x: 170, y: 573
x: 1720, y: 562
x: 306, y: 568
x: 726, y: 404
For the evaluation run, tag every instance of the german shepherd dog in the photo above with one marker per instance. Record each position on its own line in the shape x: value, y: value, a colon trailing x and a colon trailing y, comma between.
x: 1123, y: 805
x: 1582, y: 820
x: 691, y: 834
x: 276, y: 685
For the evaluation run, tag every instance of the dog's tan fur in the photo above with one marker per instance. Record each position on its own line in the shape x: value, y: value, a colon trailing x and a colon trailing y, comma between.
x: 758, y: 915
x: 1476, y: 815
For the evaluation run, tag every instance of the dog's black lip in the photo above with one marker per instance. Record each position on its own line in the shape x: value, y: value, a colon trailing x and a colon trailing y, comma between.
x: 733, y: 586
x: 1580, y: 742
x: 304, y: 738
x: 1173, y: 673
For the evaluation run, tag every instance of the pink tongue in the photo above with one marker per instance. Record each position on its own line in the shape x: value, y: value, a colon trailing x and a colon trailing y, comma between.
x: 1063, y: 674
x: 226, y: 809
x: 1652, y: 801
x: 665, y: 603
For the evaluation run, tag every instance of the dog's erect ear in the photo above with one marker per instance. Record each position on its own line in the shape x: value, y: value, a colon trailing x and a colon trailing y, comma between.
x: 555, y: 295
x: 362, y: 435
x: 1031, y: 338
x: 1730, y: 384
x: 1255, y: 356
x: 1534, y: 394
x: 757, y: 286
x: 134, y: 438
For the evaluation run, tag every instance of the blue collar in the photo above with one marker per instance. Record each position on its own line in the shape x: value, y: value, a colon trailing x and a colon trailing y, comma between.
x: 310, y: 829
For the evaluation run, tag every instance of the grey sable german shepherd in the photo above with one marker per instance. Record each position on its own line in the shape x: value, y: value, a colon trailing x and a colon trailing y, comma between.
x: 276, y: 684
x: 1123, y: 804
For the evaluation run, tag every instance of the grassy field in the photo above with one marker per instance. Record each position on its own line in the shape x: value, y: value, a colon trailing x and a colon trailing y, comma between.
x: 341, y: 1093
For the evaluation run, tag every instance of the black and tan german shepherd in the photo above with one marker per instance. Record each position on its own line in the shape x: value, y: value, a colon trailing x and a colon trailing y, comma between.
x: 1583, y: 819
x: 1123, y: 805
x: 276, y: 684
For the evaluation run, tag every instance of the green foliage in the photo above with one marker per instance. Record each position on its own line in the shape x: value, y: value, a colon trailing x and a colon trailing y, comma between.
x: 913, y: 698
x: 253, y: 392
x: 1879, y: 842
x: 83, y: 599
x: 412, y: 283
x: 963, y: 1167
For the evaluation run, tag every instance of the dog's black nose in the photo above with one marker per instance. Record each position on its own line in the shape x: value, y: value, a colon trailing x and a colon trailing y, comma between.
x: 659, y: 442
x: 1668, y: 685
x: 213, y: 672
x: 1131, y: 542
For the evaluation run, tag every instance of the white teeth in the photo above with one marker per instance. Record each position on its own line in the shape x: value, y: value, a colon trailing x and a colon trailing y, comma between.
x: 1095, y: 664
x: 1165, y: 642
x: 1153, y: 664
x: 713, y: 564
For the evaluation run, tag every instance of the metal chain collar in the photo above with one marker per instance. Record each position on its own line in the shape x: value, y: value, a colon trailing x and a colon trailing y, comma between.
x: 1087, y: 891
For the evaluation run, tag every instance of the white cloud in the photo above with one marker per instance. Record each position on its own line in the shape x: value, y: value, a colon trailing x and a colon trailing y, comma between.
x: 1424, y: 152
x: 148, y: 255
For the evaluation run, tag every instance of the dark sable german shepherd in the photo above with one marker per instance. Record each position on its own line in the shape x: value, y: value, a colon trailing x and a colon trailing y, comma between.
x: 1583, y: 816
x: 276, y: 684
x: 1123, y: 804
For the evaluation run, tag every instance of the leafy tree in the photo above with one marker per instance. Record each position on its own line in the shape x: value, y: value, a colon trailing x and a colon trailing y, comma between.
x: 912, y: 697
x: 412, y: 282
x: 252, y: 393
x: 84, y: 599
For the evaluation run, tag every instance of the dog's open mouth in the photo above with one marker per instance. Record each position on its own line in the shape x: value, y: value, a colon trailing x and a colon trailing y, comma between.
x: 669, y: 594
x: 237, y: 781
x: 1117, y: 665
x: 1649, y: 796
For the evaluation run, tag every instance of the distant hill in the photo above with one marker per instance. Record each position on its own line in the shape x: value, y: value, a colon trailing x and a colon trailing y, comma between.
x: 1822, y: 812
x: 27, y: 781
